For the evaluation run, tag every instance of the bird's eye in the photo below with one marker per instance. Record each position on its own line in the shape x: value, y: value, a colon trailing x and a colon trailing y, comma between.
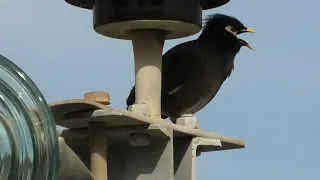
x: 231, y: 30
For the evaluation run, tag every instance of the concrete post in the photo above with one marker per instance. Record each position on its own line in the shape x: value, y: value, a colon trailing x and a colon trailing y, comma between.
x: 98, y: 150
x: 147, y: 47
x: 98, y: 139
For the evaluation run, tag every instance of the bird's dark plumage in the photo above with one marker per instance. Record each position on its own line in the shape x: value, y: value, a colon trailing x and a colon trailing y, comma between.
x: 193, y: 72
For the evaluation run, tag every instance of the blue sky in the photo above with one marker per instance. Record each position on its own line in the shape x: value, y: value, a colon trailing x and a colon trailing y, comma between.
x: 271, y: 100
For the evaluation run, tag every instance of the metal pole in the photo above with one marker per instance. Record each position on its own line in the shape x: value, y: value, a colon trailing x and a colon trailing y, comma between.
x: 98, y: 150
x: 147, y: 47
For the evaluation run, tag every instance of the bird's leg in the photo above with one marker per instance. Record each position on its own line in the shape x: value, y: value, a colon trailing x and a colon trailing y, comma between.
x: 188, y: 120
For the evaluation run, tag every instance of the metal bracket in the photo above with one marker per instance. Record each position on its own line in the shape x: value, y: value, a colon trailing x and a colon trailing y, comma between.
x: 138, y: 146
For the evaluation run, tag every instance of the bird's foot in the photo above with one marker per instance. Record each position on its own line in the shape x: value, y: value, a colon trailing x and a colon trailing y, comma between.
x: 189, y: 121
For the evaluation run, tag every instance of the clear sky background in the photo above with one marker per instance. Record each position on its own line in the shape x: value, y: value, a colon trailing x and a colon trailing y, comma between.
x: 271, y: 100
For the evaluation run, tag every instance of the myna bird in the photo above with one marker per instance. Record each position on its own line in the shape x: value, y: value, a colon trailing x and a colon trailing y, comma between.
x: 193, y: 72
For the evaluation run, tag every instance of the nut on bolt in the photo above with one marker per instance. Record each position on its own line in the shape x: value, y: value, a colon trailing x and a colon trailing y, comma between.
x: 97, y: 96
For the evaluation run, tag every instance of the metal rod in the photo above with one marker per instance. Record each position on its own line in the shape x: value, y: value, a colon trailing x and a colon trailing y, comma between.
x: 148, y: 47
x: 98, y: 150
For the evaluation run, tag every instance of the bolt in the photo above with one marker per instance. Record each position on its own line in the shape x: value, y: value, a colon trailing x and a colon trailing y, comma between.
x: 100, y: 97
x: 189, y: 121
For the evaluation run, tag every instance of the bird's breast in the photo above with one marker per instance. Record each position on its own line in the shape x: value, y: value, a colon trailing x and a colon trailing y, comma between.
x: 209, y: 85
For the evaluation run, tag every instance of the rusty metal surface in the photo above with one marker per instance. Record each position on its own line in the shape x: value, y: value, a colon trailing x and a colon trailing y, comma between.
x: 98, y: 96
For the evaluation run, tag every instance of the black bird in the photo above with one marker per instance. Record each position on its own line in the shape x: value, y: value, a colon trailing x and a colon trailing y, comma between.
x: 193, y: 72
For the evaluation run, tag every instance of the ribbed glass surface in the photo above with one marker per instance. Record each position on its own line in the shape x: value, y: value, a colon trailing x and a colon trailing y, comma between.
x: 28, y: 141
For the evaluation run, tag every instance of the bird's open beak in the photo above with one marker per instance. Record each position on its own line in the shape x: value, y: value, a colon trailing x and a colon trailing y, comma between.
x: 246, y: 30
x: 244, y: 43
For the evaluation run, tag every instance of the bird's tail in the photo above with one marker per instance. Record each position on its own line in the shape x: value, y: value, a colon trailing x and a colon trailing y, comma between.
x: 131, y: 98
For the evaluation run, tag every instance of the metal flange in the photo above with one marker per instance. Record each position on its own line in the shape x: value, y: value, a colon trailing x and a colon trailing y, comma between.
x: 177, y: 18
x: 117, y: 18
x: 135, y: 143
x: 205, y: 4
x: 78, y: 113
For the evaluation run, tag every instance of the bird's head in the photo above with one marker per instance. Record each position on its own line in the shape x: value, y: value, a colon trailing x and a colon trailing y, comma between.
x: 225, y: 29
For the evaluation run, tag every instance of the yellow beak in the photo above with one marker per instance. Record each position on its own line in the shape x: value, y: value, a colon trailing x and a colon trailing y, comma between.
x: 244, y: 43
x: 247, y: 30
x: 248, y: 46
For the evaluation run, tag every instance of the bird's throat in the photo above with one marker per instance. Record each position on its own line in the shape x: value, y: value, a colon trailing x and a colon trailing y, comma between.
x: 230, y: 64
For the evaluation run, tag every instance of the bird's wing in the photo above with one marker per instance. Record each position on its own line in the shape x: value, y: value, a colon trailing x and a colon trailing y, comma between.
x: 184, y: 73
x: 169, y: 62
x: 175, y: 67
x: 202, y: 72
